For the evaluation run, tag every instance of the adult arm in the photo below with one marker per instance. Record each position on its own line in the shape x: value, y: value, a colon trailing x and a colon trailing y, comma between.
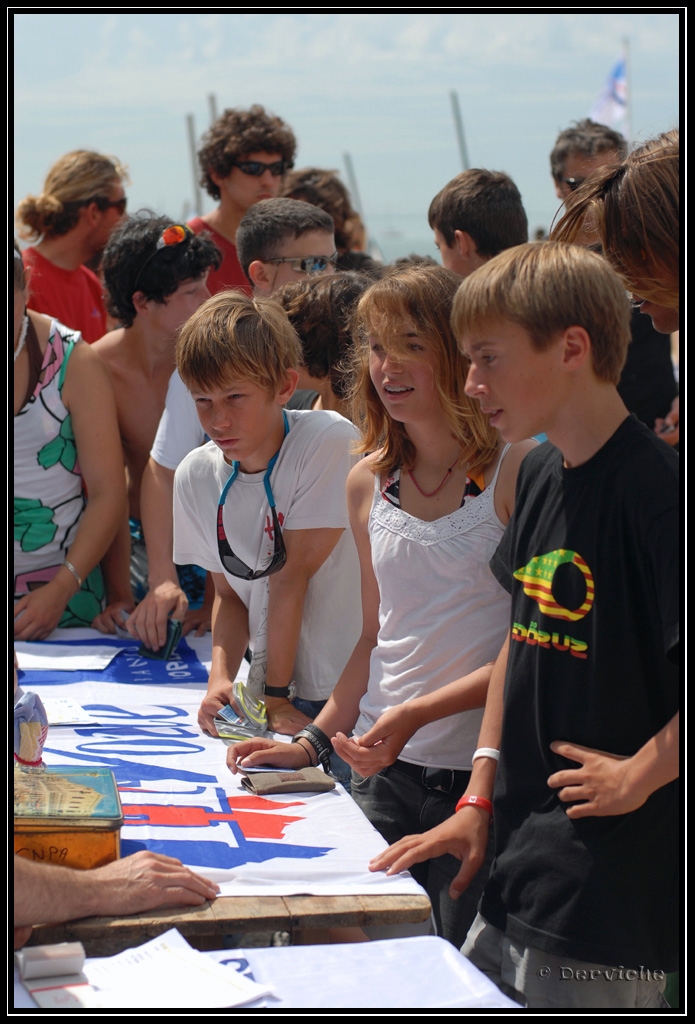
x: 610, y: 784
x: 165, y: 597
x: 465, y: 834
x: 88, y: 397
x: 230, y: 638
x: 49, y: 894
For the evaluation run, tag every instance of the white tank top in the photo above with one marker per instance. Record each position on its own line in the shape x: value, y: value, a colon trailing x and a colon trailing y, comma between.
x: 442, y: 614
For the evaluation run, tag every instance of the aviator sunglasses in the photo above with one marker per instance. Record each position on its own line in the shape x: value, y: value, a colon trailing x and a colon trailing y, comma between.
x: 231, y: 562
x: 175, y: 234
x: 256, y: 167
x: 307, y: 264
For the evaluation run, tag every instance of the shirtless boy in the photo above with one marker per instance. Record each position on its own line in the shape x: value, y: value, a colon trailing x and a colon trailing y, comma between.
x: 156, y: 276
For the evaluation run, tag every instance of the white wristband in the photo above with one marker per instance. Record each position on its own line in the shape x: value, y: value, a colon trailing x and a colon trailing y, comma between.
x: 486, y: 752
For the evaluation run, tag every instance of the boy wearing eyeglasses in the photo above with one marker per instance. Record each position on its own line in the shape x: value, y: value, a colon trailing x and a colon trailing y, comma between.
x: 262, y: 507
x: 155, y: 274
x: 243, y: 159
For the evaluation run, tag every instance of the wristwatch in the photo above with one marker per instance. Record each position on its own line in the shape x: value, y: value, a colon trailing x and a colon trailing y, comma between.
x: 288, y: 692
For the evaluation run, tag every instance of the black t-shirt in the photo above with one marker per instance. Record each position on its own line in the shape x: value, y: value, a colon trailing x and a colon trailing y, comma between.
x: 591, y: 559
x: 647, y: 384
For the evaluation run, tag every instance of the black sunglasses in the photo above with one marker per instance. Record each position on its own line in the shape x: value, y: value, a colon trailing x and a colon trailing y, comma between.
x: 231, y: 562
x: 104, y: 204
x: 256, y: 167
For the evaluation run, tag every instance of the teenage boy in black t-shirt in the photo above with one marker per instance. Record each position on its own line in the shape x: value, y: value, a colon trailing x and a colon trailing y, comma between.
x: 581, y: 905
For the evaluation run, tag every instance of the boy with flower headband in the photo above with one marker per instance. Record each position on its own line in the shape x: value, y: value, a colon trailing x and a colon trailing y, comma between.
x: 580, y: 733
x: 155, y: 273
x: 262, y: 507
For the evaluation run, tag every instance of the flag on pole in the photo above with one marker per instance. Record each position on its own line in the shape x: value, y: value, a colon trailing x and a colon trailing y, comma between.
x: 611, y: 104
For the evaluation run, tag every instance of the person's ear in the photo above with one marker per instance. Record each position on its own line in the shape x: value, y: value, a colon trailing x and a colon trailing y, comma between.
x: 465, y: 245
x: 576, y: 347
x: 287, y: 388
x: 140, y: 302
x: 91, y: 214
x: 259, y: 274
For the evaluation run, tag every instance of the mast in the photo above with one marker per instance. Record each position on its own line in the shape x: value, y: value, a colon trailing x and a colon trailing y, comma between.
x: 458, y: 125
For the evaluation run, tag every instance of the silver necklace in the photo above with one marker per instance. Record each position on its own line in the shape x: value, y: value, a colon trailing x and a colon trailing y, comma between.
x: 22, y: 337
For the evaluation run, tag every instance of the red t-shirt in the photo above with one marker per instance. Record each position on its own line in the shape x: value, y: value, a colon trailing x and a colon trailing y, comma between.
x: 230, y: 274
x: 74, y: 297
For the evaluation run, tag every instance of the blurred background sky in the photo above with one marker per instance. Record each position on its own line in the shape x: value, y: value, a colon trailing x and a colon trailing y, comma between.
x: 374, y: 85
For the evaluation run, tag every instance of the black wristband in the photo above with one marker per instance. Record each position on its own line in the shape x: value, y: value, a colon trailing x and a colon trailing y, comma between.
x: 320, y: 742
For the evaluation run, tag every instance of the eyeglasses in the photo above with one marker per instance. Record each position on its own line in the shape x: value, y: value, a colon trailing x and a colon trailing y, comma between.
x: 574, y: 183
x: 105, y: 204
x: 307, y: 264
x: 256, y: 167
x: 231, y: 562
x: 175, y: 234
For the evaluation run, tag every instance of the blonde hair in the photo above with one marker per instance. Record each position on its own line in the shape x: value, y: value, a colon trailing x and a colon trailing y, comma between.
x: 234, y: 337
x: 634, y: 210
x: 73, y: 181
x: 546, y: 287
x: 424, y: 295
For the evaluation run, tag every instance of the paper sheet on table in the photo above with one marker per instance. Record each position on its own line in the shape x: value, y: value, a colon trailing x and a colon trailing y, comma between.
x: 34, y: 657
x: 167, y: 973
x: 65, y: 711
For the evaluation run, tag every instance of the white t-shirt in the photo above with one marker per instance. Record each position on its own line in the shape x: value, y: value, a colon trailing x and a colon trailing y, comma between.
x: 308, y: 483
x: 179, y: 430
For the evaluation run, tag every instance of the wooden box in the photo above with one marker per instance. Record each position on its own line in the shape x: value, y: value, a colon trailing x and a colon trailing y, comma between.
x: 67, y: 815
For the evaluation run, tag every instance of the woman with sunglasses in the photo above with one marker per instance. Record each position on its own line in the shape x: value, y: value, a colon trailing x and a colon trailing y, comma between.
x: 427, y: 507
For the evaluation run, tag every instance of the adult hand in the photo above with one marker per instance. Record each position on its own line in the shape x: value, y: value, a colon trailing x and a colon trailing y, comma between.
x: 668, y: 428
x: 37, y: 614
x: 284, y: 717
x: 148, y: 623
x: 112, y: 617
x: 147, y: 880
x: 464, y: 835
x: 263, y: 750
x: 381, y: 745
x: 602, y: 781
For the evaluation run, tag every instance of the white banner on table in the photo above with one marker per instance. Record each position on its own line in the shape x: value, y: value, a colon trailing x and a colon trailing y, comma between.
x: 180, y: 799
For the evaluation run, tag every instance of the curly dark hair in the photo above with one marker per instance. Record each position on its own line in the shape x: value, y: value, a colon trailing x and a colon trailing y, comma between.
x: 321, y: 310
x: 131, y: 259
x: 239, y: 132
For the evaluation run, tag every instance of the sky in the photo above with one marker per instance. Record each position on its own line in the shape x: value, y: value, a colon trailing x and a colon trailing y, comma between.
x: 374, y: 85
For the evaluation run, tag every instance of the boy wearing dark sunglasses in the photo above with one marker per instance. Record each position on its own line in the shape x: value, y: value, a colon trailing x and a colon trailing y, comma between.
x: 243, y: 159
x: 262, y: 507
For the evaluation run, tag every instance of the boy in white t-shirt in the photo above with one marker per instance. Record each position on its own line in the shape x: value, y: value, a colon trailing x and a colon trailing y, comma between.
x: 262, y: 507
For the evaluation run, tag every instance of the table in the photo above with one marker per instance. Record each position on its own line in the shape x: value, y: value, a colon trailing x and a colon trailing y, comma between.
x: 283, y: 864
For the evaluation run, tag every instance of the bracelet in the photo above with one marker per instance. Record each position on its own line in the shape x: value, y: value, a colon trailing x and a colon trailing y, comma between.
x: 307, y: 749
x: 320, y: 742
x: 476, y: 801
x: 486, y: 752
x: 71, y: 568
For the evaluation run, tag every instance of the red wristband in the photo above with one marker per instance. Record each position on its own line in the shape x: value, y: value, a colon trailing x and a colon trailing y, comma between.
x: 476, y: 801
